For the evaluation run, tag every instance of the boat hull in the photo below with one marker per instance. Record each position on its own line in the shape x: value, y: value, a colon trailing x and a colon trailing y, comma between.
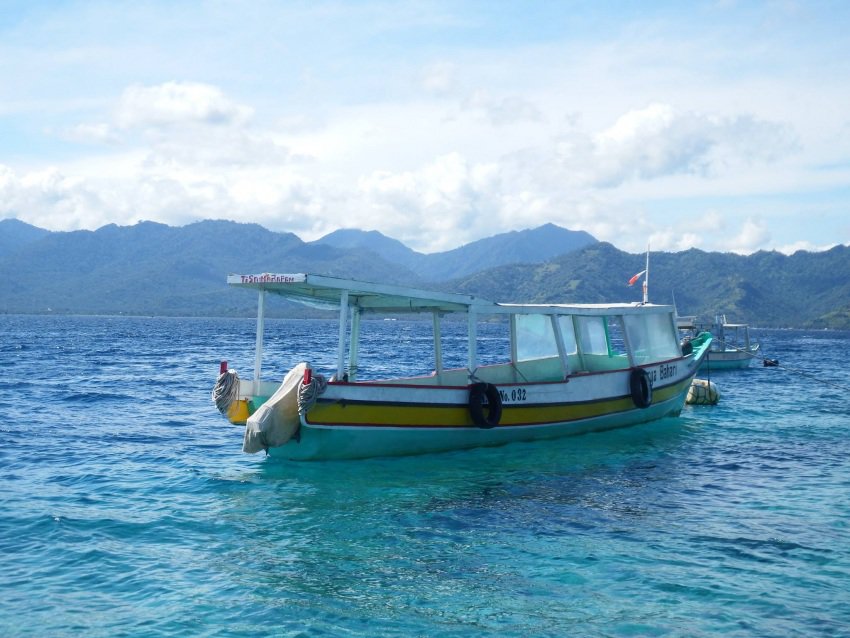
x: 365, y: 420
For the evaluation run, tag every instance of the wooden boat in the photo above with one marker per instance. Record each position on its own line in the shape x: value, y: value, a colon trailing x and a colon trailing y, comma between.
x: 567, y: 369
x: 731, y: 348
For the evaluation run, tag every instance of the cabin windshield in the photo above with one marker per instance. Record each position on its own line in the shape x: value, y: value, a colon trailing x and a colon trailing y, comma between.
x: 651, y: 338
x: 590, y: 343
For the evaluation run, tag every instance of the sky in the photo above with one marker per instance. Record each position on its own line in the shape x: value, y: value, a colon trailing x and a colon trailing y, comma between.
x: 719, y: 125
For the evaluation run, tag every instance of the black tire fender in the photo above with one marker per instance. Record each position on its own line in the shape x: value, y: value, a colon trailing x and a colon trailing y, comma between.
x: 640, y: 387
x: 485, y: 405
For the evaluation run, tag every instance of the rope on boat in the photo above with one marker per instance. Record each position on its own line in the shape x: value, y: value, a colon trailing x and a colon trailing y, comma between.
x: 837, y: 386
x: 308, y: 393
x: 226, y: 390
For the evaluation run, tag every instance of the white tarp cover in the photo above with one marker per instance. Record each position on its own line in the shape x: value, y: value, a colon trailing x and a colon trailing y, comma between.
x: 274, y: 422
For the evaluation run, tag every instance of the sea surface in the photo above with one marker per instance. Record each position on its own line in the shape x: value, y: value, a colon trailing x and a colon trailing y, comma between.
x: 128, y: 509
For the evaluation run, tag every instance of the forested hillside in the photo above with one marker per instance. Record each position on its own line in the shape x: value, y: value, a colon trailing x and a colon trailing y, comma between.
x: 155, y: 269
x: 766, y: 289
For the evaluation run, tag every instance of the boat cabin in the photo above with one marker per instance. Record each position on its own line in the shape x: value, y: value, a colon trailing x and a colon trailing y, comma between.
x: 548, y: 342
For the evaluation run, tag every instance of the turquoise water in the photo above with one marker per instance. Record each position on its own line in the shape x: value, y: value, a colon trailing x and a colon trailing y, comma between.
x: 128, y: 509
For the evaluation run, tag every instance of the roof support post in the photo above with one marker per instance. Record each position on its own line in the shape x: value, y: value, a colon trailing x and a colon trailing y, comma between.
x: 579, y: 342
x: 559, y: 341
x: 438, y: 346
x: 627, y: 342
x: 343, y: 316
x: 514, y: 349
x: 514, y: 354
x: 472, y: 364
x: 354, y: 343
x: 258, y: 349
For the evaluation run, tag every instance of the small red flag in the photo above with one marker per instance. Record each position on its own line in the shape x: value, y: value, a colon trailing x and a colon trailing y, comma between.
x: 634, y: 279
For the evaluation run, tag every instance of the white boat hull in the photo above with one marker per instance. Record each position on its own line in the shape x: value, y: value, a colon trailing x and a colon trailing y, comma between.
x: 365, y: 420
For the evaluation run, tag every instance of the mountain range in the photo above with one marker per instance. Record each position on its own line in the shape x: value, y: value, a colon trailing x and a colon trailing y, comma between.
x: 155, y: 269
x: 516, y: 247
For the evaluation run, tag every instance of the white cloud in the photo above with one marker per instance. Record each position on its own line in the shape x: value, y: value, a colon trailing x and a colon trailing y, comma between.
x: 790, y: 249
x: 178, y: 103
x: 673, y: 240
x: 754, y: 234
x: 505, y: 110
x: 658, y: 141
x: 91, y: 134
x: 442, y: 202
x: 49, y: 199
x: 671, y: 127
x: 229, y: 168
x: 439, y: 78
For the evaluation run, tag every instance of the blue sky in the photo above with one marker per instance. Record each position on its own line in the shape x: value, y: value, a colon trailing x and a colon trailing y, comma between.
x: 720, y: 125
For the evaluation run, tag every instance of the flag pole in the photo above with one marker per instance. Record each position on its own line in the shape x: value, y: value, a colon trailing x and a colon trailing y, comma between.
x: 646, y: 277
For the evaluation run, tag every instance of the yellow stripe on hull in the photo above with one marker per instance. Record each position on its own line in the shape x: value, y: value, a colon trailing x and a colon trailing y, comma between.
x: 369, y: 413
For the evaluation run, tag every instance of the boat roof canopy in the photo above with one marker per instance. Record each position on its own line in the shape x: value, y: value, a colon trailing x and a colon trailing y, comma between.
x: 327, y: 292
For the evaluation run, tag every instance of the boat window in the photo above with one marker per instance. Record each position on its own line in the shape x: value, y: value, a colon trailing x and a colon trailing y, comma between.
x: 651, y: 337
x: 535, y: 337
x: 592, y: 335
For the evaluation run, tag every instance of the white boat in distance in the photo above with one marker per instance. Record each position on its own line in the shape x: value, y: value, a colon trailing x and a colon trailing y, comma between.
x: 567, y: 369
x: 730, y: 349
